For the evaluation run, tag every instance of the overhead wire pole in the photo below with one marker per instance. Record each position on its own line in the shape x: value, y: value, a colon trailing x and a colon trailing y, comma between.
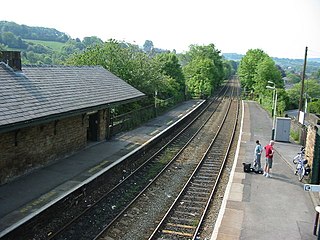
x: 302, y: 84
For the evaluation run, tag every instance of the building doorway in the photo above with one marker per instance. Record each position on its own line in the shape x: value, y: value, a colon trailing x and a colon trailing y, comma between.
x: 92, y: 130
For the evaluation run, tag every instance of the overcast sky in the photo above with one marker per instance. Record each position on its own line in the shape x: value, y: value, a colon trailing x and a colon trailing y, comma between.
x: 282, y: 28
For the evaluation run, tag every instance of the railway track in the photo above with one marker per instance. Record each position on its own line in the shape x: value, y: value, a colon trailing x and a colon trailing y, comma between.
x: 96, y: 217
x: 183, y: 219
x: 109, y: 207
x: 131, y: 221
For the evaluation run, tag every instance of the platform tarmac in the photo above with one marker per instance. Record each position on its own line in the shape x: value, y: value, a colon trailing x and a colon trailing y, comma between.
x: 256, y: 207
x: 28, y: 195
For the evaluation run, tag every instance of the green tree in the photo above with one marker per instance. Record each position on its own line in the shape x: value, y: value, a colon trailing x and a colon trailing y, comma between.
x: 229, y: 68
x: 171, y: 67
x: 311, y: 88
x: 203, y: 69
x: 129, y: 63
x: 72, y: 46
x: 148, y: 46
x: 293, y: 78
x: 199, y: 75
x: 316, y: 75
x: 89, y: 41
x: 314, y: 106
x: 211, y: 53
x: 9, y: 39
x: 248, y: 67
x: 266, y: 70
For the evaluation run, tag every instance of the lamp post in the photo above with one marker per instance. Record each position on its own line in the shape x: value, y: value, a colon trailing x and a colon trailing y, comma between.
x: 274, y: 109
x: 273, y: 96
x: 155, y: 102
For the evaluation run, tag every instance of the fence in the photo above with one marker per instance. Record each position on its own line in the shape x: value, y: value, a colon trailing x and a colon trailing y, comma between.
x: 131, y: 120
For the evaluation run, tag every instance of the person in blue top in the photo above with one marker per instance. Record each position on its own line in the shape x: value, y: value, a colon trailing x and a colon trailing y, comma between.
x: 257, y: 156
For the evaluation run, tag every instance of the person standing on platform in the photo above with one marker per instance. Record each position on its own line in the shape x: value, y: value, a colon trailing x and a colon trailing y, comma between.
x: 257, y: 156
x: 269, y: 158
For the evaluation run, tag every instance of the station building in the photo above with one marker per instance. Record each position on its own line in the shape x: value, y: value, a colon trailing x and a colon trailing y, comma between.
x: 50, y: 112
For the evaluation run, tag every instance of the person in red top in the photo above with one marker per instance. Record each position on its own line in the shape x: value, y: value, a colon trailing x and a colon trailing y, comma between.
x: 269, y: 158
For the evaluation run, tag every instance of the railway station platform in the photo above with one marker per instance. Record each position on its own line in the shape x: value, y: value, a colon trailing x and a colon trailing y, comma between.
x: 26, y: 196
x: 256, y: 207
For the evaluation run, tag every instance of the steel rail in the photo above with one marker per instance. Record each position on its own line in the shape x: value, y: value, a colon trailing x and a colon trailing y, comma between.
x: 184, y: 229
x: 58, y: 233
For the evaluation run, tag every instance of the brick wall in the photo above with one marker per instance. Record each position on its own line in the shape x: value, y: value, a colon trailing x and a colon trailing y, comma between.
x: 31, y: 147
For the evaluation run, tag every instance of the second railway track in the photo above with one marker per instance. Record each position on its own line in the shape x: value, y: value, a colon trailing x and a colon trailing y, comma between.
x: 185, y: 216
x: 139, y: 221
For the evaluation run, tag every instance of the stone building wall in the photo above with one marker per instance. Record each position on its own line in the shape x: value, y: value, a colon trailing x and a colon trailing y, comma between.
x: 102, y: 115
x: 31, y: 147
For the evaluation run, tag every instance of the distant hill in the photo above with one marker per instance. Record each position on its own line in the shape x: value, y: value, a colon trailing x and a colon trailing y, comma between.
x: 33, y: 33
x: 313, y: 64
x: 314, y: 60
x: 40, y: 45
x: 232, y: 56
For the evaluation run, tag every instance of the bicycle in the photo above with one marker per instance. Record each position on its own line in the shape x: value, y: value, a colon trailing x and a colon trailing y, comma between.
x: 300, y: 155
x: 302, y: 168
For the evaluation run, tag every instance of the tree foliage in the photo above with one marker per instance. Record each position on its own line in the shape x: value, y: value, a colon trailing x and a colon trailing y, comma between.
x: 293, y: 78
x: 266, y: 71
x: 248, y: 67
x: 148, y: 46
x: 316, y: 75
x: 200, y: 74
x: 203, y: 69
x: 129, y: 63
x: 311, y: 89
x: 30, y: 40
x: 37, y: 33
x: 229, y: 68
x: 170, y: 66
x: 257, y: 71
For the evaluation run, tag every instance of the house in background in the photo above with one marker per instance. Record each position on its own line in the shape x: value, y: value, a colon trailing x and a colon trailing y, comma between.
x: 49, y: 112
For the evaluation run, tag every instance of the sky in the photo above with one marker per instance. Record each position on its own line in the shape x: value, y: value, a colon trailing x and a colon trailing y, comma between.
x: 281, y: 28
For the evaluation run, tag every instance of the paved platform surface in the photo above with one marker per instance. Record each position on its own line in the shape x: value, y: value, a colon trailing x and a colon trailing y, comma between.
x: 30, y: 194
x: 256, y: 207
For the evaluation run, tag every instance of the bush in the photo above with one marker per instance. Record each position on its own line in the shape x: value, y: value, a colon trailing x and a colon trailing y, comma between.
x: 294, y: 135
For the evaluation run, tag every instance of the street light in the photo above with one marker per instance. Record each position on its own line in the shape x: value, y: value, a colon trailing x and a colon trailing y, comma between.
x: 275, y: 108
x: 273, y: 95
x: 155, y: 102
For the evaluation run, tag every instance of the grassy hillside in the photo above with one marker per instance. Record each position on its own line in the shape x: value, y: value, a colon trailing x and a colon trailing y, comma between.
x: 56, y: 46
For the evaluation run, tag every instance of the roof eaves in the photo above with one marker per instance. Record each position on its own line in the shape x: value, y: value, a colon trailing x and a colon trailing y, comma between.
x: 50, y: 118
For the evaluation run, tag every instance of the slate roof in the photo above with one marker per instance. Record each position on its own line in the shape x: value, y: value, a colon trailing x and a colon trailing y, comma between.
x: 38, y: 93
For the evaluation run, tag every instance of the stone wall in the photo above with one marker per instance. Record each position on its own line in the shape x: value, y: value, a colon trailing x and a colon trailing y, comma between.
x: 311, y: 143
x: 102, y: 126
x: 299, y: 129
x: 31, y: 147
